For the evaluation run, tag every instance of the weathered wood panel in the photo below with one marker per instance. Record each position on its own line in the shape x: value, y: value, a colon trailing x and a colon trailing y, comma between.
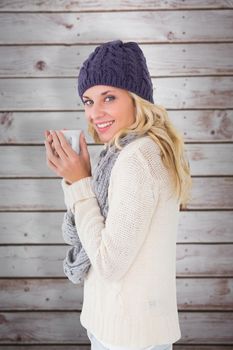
x: 211, y: 159
x: 45, y: 228
x: 162, y: 60
x: 31, y: 161
x: 31, y: 228
x: 41, y: 94
x: 46, y: 261
x: 205, y: 328
x: 87, y: 347
x: 29, y: 127
x: 30, y: 194
x: 111, y: 5
x: 196, y: 125
x: 83, y: 28
x: 60, y: 294
x: 41, y: 294
x: 47, y: 194
x: 204, y: 159
x: 204, y: 260
x: 205, y: 227
x: 80, y: 347
x: 205, y: 294
x: 64, y: 327
x: 42, y: 327
x: 43, y: 305
x: 205, y: 187
x: 209, y: 125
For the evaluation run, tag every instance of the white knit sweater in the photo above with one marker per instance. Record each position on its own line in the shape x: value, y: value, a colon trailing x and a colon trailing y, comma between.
x: 130, y: 291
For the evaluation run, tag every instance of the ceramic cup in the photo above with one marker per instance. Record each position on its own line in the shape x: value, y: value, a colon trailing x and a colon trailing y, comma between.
x: 72, y: 136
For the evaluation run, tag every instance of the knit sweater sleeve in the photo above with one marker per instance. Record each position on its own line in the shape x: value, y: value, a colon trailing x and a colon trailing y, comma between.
x: 133, y: 193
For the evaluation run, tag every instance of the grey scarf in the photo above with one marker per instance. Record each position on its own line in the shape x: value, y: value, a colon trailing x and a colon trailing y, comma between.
x: 76, y: 263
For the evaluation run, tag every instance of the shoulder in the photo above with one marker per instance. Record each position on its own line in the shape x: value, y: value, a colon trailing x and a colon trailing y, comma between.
x: 140, y: 145
x: 131, y: 174
x: 144, y: 154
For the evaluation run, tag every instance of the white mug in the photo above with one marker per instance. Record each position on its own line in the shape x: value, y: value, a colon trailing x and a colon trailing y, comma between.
x: 72, y: 136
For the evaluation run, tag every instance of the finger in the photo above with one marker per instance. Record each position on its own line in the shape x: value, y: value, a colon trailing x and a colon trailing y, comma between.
x: 59, y: 146
x: 48, y: 147
x: 83, y: 146
x: 52, y: 166
x: 50, y: 156
x: 54, y: 150
x: 48, y: 136
x: 65, y: 145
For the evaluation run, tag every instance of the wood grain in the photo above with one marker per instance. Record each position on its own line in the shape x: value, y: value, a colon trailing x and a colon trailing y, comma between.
x: 111, y: 5
x: 43, y: 94
x: 47, y: 195
x: 83, y: 28
x: 206, y: 294
x: 195, y: 125
x: 45, y: 227
x: 87, y: 347
x: 192, y: 59
x: 189, y: 48
x: 31, y: 161
x: 64, y: 327
x: 46, y: 261
x: 204, y: 159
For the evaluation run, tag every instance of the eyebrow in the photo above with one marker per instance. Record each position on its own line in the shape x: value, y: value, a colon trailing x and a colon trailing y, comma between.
x: 102, y: 93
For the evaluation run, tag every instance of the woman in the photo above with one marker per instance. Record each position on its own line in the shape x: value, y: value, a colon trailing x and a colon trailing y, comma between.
x: 129, y: 297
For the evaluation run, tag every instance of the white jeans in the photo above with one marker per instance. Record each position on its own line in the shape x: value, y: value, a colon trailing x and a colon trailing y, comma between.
x: 96, y: 345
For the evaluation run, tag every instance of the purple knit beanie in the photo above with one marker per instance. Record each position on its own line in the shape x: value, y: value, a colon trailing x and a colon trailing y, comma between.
x: 118, y: 64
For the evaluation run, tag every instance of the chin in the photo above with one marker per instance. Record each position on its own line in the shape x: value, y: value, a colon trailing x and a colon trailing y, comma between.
x: 105, y: 138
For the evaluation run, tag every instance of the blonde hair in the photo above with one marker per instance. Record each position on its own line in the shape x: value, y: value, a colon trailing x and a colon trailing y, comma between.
x: 153, y: 120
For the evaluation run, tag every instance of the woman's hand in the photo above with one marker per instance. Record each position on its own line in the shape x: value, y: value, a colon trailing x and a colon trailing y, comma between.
x: 64, y: 161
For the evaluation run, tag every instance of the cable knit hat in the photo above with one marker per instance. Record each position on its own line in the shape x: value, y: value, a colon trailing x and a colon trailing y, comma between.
x: 118, y: 64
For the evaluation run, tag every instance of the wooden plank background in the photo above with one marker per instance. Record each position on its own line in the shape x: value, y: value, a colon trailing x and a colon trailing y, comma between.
x: 189, y: 48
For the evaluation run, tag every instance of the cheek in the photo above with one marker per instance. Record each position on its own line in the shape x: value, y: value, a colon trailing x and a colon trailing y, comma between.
x: 129, y: 112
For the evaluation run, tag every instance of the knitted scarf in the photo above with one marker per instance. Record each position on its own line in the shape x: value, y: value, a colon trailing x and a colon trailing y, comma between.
x: 76, y: 263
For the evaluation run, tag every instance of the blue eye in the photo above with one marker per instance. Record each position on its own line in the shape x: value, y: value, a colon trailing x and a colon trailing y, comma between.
x: 109, y: 96
x: 85, y: 102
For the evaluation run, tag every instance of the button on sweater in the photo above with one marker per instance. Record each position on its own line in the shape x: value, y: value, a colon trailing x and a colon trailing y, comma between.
x: 129, y: 294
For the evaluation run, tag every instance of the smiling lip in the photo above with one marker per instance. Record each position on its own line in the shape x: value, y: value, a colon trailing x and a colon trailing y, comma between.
x: 107, y: 127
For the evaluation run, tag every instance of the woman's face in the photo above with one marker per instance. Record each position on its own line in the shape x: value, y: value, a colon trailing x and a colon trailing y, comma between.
x: 104, y: 104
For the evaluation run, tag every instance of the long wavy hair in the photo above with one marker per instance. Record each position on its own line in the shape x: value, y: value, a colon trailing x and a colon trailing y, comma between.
x: 153, y: 120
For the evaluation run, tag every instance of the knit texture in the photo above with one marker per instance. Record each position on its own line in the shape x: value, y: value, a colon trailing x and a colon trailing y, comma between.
x: 129, y: 294
x: 76, y: 263
x: 118, y: 64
